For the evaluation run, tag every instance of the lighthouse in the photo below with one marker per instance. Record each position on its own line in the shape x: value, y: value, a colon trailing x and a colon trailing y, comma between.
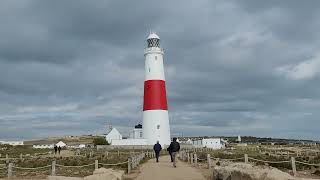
x: 155, y: 106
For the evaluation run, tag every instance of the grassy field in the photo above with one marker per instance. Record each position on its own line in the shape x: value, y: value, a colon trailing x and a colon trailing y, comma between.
x: 41, y: 158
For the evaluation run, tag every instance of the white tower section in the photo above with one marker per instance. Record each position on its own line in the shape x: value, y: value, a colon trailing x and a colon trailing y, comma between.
x: 155, y: 108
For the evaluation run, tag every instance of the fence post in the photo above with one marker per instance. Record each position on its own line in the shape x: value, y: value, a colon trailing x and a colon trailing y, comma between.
x: 246, y: 159
x: 195, y: 159
x: 53, y: 168
x: 191, y: 158
x: 7, y: 157
x: 129, y: 165
x: 90, y: 155
x: 10, y: 170
x: 209, y: 161
x: 293, y: 165
x: 118, y: 153
x: 96, y: 164
x: 188, y: 156
x: 21, y: 156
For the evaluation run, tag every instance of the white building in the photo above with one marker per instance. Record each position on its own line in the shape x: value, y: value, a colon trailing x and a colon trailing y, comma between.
x: 114, y: 134
x: 137, y: 132
x: 214, y: 143
x: 61, y: 144
x: 12, y: 143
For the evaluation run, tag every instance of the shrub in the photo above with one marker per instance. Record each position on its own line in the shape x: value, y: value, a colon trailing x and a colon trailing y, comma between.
x: 100, y: 141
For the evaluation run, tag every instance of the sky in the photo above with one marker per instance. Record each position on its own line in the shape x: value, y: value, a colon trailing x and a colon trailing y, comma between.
x: 236, y: 67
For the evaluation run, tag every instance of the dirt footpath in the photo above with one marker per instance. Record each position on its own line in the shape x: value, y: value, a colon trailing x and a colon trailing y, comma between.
x: 165, y: 171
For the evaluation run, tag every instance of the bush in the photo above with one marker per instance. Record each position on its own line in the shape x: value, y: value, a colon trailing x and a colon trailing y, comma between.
x: 100, y: 141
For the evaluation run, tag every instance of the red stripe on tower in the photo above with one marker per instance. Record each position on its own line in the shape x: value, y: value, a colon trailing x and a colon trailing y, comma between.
x: 155, y: 97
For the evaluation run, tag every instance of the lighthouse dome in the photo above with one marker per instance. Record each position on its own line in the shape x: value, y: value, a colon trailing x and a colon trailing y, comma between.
x: 153, y: 36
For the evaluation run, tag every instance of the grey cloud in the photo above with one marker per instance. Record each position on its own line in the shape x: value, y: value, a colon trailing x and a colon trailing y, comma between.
x: 79, y: 65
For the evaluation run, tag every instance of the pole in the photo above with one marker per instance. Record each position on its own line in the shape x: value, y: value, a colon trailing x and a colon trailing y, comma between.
x: 129, y: 165
x: 96, y: 164
x: 53, y: 170
x: 246, y: 159
x: 293, y: 165
x: 10, y: 170
x: 209, y: 161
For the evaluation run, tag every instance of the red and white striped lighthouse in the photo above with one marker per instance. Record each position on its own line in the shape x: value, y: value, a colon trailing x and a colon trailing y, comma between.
x: 155, y: 106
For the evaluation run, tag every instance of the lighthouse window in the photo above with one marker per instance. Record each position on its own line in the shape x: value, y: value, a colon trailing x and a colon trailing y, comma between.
x: 149, y: 69
x: 158, y: 126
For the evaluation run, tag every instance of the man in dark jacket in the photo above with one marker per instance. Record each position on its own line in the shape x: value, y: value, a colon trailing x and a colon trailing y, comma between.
x: 174, y: 148
x: 157, y: 148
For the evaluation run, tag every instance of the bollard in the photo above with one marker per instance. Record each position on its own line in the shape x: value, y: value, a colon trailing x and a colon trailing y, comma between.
x: 209, y: 161
x: 53, y: 168
x: 293, y: 165
x: 96, y: 164
x: 118, y: 153
x: 129, y: 165
x: 196, y: 159
x: 246, y: 159
x: 21, y: 156
x: 188, y: 156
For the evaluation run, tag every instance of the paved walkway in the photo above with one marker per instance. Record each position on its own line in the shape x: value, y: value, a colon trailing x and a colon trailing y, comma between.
x: 164, y: 170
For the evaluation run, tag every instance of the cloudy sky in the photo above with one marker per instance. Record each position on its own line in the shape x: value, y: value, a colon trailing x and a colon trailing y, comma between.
x: 232, y: 67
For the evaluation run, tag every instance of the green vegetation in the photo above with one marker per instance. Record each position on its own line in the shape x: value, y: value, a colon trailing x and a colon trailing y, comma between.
x: 100, y: 141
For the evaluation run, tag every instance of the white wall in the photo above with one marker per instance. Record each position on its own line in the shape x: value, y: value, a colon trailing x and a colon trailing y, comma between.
x: 12, y: 143
x: 129, y: 142
x: 214, y: 143
x: 137, y: 134
x: 43, y: 146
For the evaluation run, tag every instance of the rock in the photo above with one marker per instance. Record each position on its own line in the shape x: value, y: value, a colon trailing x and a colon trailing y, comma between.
x: 242, y: 171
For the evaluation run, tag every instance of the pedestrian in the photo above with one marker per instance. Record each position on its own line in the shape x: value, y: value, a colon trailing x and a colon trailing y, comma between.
x: 157, y: 148
x: 174, y: 148
x: 55, y: 149
x: 59, y: 149
x: 170, y: 153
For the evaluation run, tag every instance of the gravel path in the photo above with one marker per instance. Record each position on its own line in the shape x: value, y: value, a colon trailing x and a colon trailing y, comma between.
x: 164, y: 170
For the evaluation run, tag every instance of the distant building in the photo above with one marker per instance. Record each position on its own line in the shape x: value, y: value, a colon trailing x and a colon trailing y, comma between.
x: 239, y: 138
x: 61, y: 144
x: 12, y: 143
x: 43, y: 146
x: 114, y: 134
x: 213, y: 143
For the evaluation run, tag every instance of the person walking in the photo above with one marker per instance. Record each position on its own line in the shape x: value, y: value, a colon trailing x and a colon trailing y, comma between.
x: 59, y: 149
x: 157, y: 148
x: 174, y: 148
x: 55, y: 149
